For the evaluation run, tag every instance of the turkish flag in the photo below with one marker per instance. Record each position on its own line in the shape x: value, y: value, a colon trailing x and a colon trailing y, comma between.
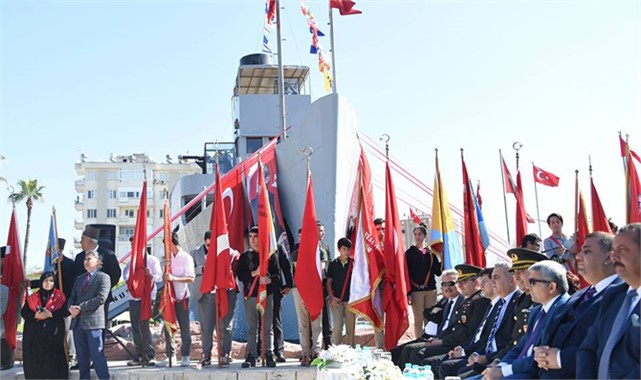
x: 139, y: 285
x: 414, y: 217
x: 345, y: 7
x: 308, y: 277
x: 12, y: 278
x: 507, y: 177
x: 545, y: 178
x: 396, y: 277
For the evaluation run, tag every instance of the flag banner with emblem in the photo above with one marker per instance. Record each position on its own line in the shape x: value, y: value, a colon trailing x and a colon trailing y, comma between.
x: 216, y: 274
x: 474, y: 251
x: 544, y: 177
x: 599, y: 219
x: 139, y: 284
x: 443, y: 236
x: 13, y: 278
x: 345, y: 7
x: 266, y: 237
x: 308, y: 276
x: 365, y: 298
x: 168, y: 299
x: 52, y: 251
x: 396, y: 276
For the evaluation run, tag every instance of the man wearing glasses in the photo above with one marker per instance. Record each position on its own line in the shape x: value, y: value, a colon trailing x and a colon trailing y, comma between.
x: 438, y: 317
x: 548, y: 287
x: 466, y: 319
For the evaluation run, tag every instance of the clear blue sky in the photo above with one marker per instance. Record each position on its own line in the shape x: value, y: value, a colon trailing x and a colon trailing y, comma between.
x: 97, y: 77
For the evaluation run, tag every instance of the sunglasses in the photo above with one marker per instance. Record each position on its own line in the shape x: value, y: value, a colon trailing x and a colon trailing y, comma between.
x: 533, y: 281
x: 450, y: 283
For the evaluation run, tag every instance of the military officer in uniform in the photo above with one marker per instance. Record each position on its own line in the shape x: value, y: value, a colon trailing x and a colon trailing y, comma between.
x: 468, y: 318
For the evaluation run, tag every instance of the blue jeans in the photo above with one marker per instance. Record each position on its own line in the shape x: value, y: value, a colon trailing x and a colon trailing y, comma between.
x: 89, y: 345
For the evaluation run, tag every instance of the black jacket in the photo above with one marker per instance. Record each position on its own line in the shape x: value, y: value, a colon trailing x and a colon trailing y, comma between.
x: 287, y: 277
x: 419, y: 266
x: 468, y: 318
x: 247, y: 263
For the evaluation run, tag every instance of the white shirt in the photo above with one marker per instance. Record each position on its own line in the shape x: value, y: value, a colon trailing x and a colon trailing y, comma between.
x: 506, y: 369
x: 635, y: 300
x: 153, y: 264
x: 182, y: 265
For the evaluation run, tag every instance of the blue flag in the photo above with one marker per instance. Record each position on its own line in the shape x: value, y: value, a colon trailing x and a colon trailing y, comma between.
x: 52, y: 247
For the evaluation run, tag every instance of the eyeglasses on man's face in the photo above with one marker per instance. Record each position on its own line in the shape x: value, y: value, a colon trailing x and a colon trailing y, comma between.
x: 533, y: 281
x: 449, y: 283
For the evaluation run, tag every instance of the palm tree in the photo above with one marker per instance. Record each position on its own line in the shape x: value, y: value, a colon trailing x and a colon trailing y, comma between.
x: 29, y: 191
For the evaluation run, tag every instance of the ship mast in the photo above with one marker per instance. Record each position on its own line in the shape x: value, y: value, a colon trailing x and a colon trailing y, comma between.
x: 281, y: 80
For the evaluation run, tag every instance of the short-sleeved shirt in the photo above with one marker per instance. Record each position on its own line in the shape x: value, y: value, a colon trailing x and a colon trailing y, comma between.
x: 182, y: 265
x: 324, y: 257
x: 338, y: 272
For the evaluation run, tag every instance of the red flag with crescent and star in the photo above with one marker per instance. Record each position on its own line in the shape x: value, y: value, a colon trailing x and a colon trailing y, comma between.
x: 544, y: 177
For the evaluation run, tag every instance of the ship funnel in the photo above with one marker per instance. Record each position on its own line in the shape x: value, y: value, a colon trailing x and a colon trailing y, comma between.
x: 256, y: 59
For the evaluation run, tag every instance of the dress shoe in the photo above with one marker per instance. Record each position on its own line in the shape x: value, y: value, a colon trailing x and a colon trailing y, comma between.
x: 279, y: 358
x: 249, y: 362
x: 270, y: 361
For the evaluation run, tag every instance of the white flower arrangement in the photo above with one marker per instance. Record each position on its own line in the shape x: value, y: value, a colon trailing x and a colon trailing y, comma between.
x: 341, y: 354
x: 380, y: 370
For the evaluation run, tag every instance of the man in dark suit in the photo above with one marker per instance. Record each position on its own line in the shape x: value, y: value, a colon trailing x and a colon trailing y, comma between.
x: 110, y: 265
x: 497, y: 334
x: 549, y: 287
x: 611, y: 349
x: 439, y: 315
x: 87, y: 302
x: 468, y: 317
x: 556, y: 356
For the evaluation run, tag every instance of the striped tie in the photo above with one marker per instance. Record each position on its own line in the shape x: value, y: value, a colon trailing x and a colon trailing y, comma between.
x: 495, y: 326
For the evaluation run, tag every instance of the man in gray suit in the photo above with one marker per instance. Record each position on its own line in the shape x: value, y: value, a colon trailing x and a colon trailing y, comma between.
x: 87, y: 304
x: 206, y: 301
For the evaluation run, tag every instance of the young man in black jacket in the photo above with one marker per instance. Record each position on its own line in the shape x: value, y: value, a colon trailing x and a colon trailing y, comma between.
x: 249, y: 275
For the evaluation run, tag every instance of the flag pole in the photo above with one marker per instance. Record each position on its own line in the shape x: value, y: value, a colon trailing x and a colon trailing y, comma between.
x: 576, y: 201
x: 536, y: 195
x: 263, y: 356
x: 143, y: 359
x: 218, y: 296
x: 60, y: 287
x: 507, y: 223
x: 281, y: 80
x: 332, y: 48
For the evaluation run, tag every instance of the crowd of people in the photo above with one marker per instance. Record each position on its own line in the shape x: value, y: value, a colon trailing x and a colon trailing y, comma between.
x: 529, y: 318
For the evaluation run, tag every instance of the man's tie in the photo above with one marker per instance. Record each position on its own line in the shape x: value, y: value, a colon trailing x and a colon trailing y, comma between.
x: 495, y: 327
x: 86, y: 284
x: 490, y: 315
x: 446, y: 316
x: 534, y: 335
x: 618, y: 327
x: 589, y: 294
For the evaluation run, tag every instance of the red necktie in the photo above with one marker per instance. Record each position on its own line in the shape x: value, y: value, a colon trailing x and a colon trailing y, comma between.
x: 86, y: 285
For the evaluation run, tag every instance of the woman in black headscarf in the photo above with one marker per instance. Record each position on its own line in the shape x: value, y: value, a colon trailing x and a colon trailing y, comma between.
x: 43, y: 340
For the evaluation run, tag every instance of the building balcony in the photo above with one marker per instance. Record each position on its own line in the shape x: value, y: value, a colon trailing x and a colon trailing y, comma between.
x: 79, y: 224
x: 80, y: 205
x: 76, y: 243
x: 80, y: 186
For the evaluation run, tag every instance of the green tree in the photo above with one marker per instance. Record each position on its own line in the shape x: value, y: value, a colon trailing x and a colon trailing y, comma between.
x: 29, y: 192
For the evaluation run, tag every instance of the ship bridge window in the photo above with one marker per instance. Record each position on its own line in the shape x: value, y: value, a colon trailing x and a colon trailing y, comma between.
x: 291, y: 86
x: 253, y: 144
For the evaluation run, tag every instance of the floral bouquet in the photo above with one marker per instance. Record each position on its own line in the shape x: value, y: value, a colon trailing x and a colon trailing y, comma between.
x: 341, y: 354
x: 380, y: 370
